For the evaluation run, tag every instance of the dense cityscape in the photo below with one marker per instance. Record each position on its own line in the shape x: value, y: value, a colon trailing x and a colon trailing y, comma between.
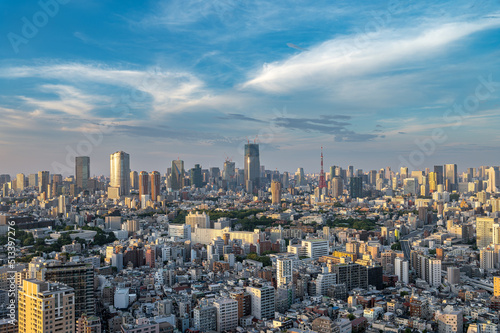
x: 228, y: 249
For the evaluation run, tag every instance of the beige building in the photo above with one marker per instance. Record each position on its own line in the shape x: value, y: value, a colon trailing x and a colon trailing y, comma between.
x: 450, y: 320
x: 276, y: 192
x: 46, y: 307
x: 484, y: 231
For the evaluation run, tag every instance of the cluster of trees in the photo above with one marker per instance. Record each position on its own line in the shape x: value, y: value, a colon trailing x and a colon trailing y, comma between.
x: 102, y: 237
x: 396, y: 246
x: 265, y: 260
x: 236, y: 214
x: 359, y: 224
x: 25, y: 238
x: 250, y: 224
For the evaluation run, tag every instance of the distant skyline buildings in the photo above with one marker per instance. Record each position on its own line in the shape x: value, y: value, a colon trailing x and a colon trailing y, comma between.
x: 447, y: 173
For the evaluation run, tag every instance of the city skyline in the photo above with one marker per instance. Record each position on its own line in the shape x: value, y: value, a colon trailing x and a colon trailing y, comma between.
x: 460, y: 168
x: 371, y: 83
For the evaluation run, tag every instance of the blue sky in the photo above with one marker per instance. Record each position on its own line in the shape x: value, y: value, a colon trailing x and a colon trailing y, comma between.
x: 193, y: 79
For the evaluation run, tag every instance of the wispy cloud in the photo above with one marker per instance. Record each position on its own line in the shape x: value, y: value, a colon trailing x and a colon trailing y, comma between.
x: 325, y: 125
x: 169, y: 90
x: 342, y: 57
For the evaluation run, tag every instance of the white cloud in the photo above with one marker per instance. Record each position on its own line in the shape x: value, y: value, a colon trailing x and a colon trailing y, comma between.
x: 326, y: 65
x: 170, y: 90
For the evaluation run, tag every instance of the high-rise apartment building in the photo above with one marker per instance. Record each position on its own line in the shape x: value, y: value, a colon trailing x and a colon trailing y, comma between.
x: 82, y: 171
x: 46, y: 307
x: 205, y: 317
x: 244, y: 302
x: 252, y: 166
x: 119, y: 163
x: 351, y: 274
x: 402, y: 269
x: 80, y: 277
x: 262, y: 301
x: 43, y: 182
x: 143, y: 183
x: 284, y: 272
x: 276, y: 192
x: 484, y: 231
x: 154, y: 190
x: 134, y: 180
x: 336, y: 187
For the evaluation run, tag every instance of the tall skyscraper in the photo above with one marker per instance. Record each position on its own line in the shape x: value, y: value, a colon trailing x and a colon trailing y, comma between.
x: 33, y: 180
x: 155, y: 178
x: 336, y: 187
x: 356, y: 187
x: 252, y: 166
x: 119, y: 163
x: 196, y: 177
x: 229, y: 174
x: 82, y: 171
x: 46, y: 307
x: 300, y: 178
x: 451, y: 177
x: 322, y: 181
x: 177, y: 175
x: 276, y: 192
x: 20, y: 181
x: 43, y: 182
x: 143, y: 183
x: 493, y: 179
x: 438, y: 169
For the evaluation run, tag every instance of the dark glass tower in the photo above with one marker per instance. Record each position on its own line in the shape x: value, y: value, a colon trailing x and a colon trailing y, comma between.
x: 252, y: 166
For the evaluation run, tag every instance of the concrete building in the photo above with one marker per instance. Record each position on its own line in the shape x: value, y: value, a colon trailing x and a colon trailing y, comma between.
x: 449, y: 320
x: 315, y: 248
x: 402, y: 270
x: 262, y: 301
x: 227, y: 314
x: 205, y: 317
x: 91, y: 324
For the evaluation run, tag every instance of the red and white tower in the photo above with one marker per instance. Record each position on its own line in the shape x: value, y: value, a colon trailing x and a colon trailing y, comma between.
x: 322, y: 182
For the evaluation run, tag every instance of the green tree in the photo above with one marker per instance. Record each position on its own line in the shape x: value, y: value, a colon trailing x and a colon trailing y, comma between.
x: 351, y: 317
x: 396, y: 246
